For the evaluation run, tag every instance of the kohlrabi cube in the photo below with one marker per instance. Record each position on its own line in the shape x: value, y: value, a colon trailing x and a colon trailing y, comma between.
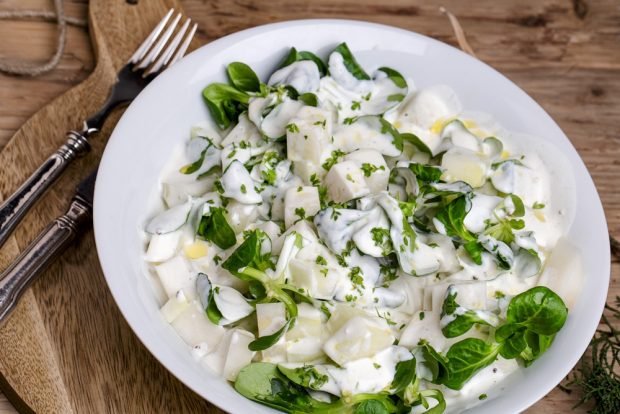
x: 194, y: 327
x: 360, y: 337
x: 300, y: 203
x: 270, y: 318
x: 374, y: 168
x: 308, y: 134
x: 345, y: 182
x: 176, y: 274
x: 163, y: 246
x: 174, y: 307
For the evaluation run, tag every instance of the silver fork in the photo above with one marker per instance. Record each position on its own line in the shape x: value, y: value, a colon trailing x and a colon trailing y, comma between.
x: 149, y: 60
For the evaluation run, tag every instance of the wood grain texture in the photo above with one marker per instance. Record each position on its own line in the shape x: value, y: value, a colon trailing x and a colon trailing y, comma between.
x: 564, y: 56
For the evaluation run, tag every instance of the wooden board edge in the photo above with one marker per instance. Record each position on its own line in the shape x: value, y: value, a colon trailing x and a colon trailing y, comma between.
x: 13, y: 397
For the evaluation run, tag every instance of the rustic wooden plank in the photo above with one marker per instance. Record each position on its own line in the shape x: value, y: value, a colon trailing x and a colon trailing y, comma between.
x: 566, y: 57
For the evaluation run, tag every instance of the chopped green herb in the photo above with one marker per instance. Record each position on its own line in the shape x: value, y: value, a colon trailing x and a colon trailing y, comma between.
x: 292, y: 128
x: 321, y: 260
x: 335, y: 156
x: 368, y: 169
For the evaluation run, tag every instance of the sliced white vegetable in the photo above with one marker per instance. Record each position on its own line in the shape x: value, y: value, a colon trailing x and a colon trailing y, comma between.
x: 427, y: 106
x: 337, y: 226
x: 499, y: 249
x: 339, y: 73
x: 417, y: 259
x: 367, y: 132
x: 385, y: 95
x: 374, y: 168
x: 293, y: 242
x: 174, y: 307
x: 389, y: 298
x: 231, y: 303
x: 274, y: 124
x: 300, y: 203
x: 308, y: 135
x: 176, y: 274
x: 169, y: 220
x: 345, y: 182
x: 470, y: 295
x: 366, y: 237
x: 259, y: 107
x: 527, y: 264
x: 163, y: 246
x: 360, y: 337
x: 459, y: 136
x: 244, y: 131
x: 444, y: 251
x: 307, y: 349
x: 529, y: 184
x: 423, y: 260
x: 176, y: 191
x: 240, y: 215
x: 206, y: 130
x: 194, y: 327
x: 320, y: 282
x: 482, y: 207
x: 303, y: 75
x: 369, y: 375
x: 271, y: 317
x: 424, y: 325
x: 413, y: 289
x: 462, y: 164
x: 309, y: 171
x: 239, y: 185
x: 232, y: 354
x: 309, y: 323
x: 341, y: 314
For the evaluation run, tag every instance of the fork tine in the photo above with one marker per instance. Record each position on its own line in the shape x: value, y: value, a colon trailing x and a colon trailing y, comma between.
x: 181, y: 50
x: 167, y: 54
x: 161, y: 42
x: 148, y: 42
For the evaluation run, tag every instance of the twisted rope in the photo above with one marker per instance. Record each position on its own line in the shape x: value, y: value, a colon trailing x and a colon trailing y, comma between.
x: 28, y: 69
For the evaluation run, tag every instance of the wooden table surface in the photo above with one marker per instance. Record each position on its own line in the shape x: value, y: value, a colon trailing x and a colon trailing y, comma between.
x: 564, y: 53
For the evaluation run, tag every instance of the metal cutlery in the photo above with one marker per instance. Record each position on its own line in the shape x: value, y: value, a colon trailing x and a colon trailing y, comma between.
x: 46, y: 247
x: 157, y: 52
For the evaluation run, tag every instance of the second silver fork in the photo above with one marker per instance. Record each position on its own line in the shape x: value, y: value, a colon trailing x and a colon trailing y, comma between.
x: 157, y: 52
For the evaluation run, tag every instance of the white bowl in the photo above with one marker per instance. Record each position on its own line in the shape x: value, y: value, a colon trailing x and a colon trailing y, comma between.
x: 159, y: 120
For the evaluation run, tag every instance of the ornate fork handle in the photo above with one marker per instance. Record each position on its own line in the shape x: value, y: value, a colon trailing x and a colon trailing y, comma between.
x: 41, y: 252
x: 15, y: 207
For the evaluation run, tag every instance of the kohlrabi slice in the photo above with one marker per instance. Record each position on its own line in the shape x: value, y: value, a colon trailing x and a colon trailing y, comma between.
x: 303, y: 76
x: 527, y: 263
x: 456, y: 134
x: 389, y: 89
x: 231, y: 303
x: 170, y: 220
x: 238, y: 184
x: 369, y: 132
x: 274, y: 124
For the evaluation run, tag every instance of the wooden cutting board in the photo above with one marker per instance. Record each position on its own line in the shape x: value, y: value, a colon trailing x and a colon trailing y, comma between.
x: 66, y: 348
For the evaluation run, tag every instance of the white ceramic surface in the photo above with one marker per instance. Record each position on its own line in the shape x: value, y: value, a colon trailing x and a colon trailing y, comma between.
x: 160, y: 118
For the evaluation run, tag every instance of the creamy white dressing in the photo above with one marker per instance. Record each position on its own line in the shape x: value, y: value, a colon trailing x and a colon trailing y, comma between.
x: 331, y: 188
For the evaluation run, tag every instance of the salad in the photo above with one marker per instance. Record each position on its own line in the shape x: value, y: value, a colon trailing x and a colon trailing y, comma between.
x: 338, y: 241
